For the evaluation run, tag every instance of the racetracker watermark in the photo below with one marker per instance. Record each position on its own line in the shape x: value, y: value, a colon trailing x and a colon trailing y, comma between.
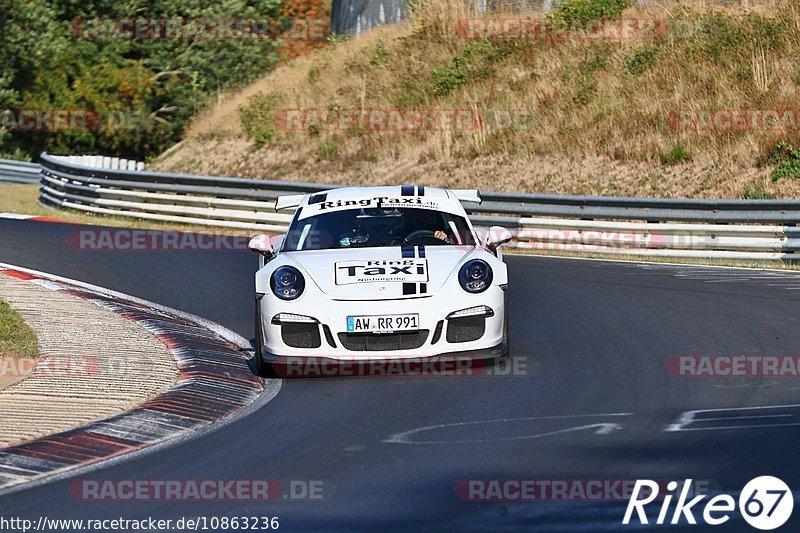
x: 735, y: 120
x: 70, y: 366
x: 199, y: 490
x: 378, y: 120
x: 436, y: 366
x: 481, y: 490
x: 734, y: 366
x: 550, y: 29
x: 49, y: 120
x: 198, y: 29
x: 35, y: 120
x: 61, y: 366
x: 134, y: 240
x: 585, y: 239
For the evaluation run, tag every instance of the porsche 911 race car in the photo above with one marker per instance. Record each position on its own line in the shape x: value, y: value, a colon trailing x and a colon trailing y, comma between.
x: 380, y: 272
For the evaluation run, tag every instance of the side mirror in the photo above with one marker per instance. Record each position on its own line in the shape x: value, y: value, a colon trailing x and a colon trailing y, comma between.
x: 497, y: 237
x: 261, y: 244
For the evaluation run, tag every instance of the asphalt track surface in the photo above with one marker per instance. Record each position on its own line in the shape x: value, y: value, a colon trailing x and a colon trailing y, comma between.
x: 592, y: 336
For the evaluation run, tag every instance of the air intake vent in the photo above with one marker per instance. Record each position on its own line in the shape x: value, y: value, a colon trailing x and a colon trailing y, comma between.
x: 300, y: 335
x: 465, y: 329
x: 383, y: 342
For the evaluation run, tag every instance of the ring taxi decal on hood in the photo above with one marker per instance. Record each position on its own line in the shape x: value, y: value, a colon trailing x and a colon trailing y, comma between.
x: 406, y: 271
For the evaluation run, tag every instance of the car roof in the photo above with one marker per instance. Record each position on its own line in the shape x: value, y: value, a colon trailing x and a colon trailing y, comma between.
x: 428, y: 194
x: 393, y: 191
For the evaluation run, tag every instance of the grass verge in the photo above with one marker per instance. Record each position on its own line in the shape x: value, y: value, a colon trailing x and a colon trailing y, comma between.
x: 16, y: 337
x: 17, y: 340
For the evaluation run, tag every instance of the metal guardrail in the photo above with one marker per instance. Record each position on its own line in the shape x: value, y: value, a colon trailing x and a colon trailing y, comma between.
x: 103, y: 161
x: 12, y: 171
x: 733, y: 229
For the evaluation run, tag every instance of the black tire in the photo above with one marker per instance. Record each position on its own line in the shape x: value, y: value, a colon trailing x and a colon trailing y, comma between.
x: 258, y: 360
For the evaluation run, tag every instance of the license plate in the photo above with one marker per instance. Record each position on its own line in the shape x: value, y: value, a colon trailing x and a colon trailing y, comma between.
x: 382, y: 323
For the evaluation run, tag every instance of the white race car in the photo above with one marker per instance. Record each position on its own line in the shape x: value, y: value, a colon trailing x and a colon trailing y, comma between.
x: 380, y: 273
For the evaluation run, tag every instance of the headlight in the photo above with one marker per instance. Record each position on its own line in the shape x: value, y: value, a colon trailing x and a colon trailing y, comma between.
x: 287, y: 283
x: 475, y: 276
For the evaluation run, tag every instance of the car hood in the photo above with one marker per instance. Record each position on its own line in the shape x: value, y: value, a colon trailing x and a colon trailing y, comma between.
x: 381, y: 273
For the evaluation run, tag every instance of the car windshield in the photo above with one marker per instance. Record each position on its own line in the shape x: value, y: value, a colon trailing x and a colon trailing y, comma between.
x: 375, y: 227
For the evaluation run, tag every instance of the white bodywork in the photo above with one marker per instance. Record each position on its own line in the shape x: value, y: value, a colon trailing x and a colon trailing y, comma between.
x: 336, y: 289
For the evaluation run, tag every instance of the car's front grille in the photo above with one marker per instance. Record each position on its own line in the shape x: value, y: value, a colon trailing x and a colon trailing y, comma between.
x: 465, y: 329
x: 383, y: 342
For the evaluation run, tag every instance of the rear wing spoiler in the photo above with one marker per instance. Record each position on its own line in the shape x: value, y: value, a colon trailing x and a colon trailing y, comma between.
x: 468, y: 195
x: 290, y: 201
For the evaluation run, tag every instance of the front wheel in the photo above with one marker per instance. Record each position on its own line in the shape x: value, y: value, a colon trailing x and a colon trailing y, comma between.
x: 259, y: 347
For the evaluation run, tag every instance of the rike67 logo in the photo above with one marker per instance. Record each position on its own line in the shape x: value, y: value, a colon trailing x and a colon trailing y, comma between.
x: 765, y: 503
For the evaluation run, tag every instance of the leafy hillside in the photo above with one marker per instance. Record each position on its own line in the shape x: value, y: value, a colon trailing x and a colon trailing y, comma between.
x: 123, y: 93
x: 667, y: 114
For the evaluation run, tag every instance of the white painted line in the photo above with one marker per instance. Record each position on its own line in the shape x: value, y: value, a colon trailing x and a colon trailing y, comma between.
x: 688, y: 417
x: 742, y: 418
x: 733, y: 276
x: 754, y: 426
x: 726, y: 280
x: 654, y: 265
x: 601, y: 428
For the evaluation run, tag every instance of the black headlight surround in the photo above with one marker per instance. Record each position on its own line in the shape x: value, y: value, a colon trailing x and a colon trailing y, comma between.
x: 287, y: 283
x: 467, y: 279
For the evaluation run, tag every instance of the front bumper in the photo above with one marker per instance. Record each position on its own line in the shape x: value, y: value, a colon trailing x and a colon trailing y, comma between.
x: 326, y: 337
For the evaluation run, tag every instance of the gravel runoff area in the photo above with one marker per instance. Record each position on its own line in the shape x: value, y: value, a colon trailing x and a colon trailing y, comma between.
x: 93, y: 363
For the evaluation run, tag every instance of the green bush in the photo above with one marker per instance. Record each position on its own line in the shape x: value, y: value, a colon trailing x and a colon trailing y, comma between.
x: 258, y: 116
x: 476, y: 61
x: 585, y: 92
x: 597, y: 62
x: 377, y: 53
x: 450, y: 78
x: 722, y: 38
x: 756, y: 193
x: 591, y: 9
x: 328, y: 148
x: 642, y: 60
x: 677, y: 154
x: 776, y: 154
x: 790, y: 168
x: 786, y: 158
